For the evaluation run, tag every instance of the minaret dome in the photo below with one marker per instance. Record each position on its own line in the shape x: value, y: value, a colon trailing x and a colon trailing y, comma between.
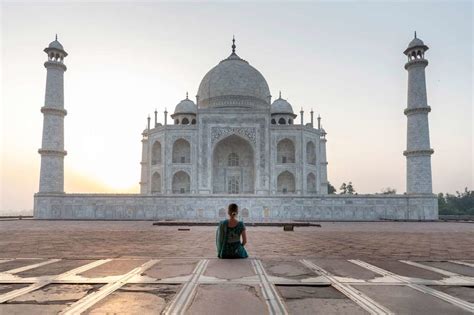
x: 55, y: 51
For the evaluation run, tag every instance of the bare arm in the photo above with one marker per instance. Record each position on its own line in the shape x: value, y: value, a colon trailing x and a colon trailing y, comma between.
x: 244, y: 237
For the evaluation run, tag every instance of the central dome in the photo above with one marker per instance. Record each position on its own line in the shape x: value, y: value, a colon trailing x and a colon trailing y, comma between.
x: 233, y: 83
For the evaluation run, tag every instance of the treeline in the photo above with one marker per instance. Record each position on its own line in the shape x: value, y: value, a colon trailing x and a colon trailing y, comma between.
x: 462, y: 203
x: 348, y: 189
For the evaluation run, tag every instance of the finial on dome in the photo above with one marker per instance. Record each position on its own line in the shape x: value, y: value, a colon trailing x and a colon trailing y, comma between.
x: 280, y: 94
x: 56, y: 37
x: 415, y: 34
x: 186, y: 94
x: 233, y: 44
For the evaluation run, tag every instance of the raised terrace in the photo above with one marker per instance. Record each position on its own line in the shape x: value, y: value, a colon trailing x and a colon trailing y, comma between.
x: 101, y: 267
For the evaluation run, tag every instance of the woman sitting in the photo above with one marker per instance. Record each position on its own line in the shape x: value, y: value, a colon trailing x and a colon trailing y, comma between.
x: 228, y: 236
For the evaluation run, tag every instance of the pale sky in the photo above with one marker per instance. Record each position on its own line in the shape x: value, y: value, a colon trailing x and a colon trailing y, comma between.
x: 343, y: 59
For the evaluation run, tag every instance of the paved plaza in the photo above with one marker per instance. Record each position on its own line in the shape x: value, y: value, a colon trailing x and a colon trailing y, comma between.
x: 123, y: 267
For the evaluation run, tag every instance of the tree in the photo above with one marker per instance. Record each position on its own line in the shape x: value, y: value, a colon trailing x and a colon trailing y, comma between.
x: 389, y: 191
x: 343, y: 189
x: 350, y: 189
x: 460, y: 204
x: 331, y: 189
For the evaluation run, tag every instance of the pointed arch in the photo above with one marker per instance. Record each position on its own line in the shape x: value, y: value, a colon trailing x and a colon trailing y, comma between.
x: 285, y: 151
x: 181, y: 151
x: 156, y: 153
x: 181, y: 183
x: 156, y: 183
x: 233, y: 166
x: 310, y: 153
x: 286, y: 182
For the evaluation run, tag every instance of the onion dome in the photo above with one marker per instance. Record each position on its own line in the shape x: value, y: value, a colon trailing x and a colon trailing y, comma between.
x: 56, y: 46
x: 281, y: 106
x: 233, y: 83
x: 186, y: 106
x: 416, y: 43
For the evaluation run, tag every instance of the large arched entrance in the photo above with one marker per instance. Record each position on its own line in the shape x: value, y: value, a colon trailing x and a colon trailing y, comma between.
x: 233, y: 167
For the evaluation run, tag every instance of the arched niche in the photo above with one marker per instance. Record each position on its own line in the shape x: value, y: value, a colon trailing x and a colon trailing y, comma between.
x: 181, y: 183
x: 286, y: 182
x: 239, y: 177
x: 156, y: 153
x: 156, y: 183
x: 310, y: 153
x: 285, y: 151
x: 181, y: 151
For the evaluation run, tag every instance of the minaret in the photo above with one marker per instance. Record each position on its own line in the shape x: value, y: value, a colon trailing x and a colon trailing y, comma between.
x: 52, y: 147
x: 418, y: 152
x: 144, y: 164
x: 323, y: 160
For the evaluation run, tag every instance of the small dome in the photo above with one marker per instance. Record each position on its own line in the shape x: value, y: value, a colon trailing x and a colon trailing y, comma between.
x: 281, y: 106
x: 416, y: 42
x: 186, y: 106
x: 56, y: 45
x: 233, y: 82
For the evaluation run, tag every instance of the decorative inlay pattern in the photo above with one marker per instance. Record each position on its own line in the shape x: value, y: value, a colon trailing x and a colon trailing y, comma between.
x: 52, y: 152
x: 411, y: 111
x: 54, y: 111
x: 55, y: 64
x: 422, y: 62
x: 218, y: 133
x: 418, y: 152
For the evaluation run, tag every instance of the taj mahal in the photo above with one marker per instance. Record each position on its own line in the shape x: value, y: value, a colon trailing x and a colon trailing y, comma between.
x: 234, y: 140
x: 235, y: 143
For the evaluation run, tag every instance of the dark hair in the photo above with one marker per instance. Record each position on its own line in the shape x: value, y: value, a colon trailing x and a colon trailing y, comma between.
x: 233, y: 209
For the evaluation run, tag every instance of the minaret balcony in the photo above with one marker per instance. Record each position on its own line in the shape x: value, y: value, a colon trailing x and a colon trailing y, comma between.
x: 418, y: 152
x: 417, y: 110
x: 53, y: 111
x: 52, y: 152
x: 55, y: 64
x: 416, y: 62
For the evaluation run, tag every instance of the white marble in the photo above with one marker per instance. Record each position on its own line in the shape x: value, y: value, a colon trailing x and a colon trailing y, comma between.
x: 253, y: 208
x: 234, y: 145
x: 418, y: 152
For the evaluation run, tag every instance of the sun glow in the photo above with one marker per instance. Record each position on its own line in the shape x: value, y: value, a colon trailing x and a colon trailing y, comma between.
x: 103, y: 182
x: 130, y: 58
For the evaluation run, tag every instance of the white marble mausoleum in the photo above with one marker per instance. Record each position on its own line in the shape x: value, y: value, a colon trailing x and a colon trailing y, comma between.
x: 234, y: 140
x: 235, y: 144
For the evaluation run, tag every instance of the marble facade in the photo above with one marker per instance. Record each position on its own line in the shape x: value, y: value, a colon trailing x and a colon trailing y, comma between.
x: 235, y: 145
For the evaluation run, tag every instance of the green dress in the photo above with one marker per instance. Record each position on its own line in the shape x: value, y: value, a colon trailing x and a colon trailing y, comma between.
x: 228, y: 240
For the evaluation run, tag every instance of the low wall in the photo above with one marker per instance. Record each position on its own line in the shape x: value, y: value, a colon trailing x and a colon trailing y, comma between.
x: 252, y: 208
